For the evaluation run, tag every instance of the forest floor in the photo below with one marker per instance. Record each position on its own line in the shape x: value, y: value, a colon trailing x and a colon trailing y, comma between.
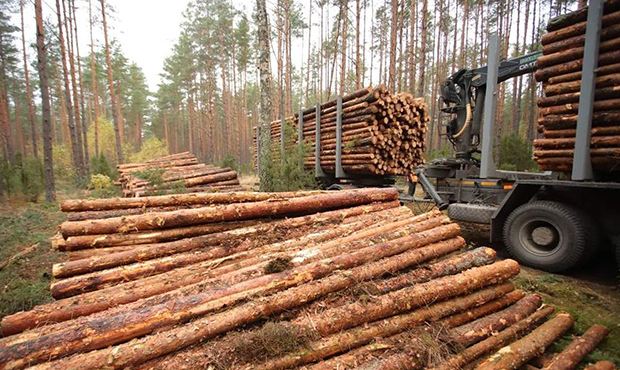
x: 591, y: 294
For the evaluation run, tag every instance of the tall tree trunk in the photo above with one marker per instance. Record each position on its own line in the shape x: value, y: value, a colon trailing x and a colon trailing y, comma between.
x: 412, y: 45
x: 264, y: 67
x: 50, y: 191
x: 464, y: 32
x: 80, y: 86
x: 358, y: 60
x: 344, y: 19
x: 76, y: 147
x: 308, y: 63
x: 93, y: 83
x: 31, y: 110
x: 393, y: 38
x: 108, y: 59
x: 423, y: 44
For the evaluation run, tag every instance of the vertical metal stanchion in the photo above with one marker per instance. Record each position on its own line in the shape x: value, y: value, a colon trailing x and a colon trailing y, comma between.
x: 487, y: 165
x: 318, y: 171
x: 339, y: 171
x: 582, y: 161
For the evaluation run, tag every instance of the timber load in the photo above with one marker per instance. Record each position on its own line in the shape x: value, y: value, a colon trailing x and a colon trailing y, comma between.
x: 382, y: 133
x: 559, y: 70
x: 176, y: 173
x: 322, y: 280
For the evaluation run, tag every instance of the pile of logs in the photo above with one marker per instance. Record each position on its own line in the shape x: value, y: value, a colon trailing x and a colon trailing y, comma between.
x: 382, y: 133
x: 179, y: 173
x: 322, y: 280
x: 559, y: 69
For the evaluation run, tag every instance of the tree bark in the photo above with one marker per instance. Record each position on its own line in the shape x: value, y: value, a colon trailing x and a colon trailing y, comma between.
x: 31, y: 110
x: 579, y: 348
x: 48, y: 165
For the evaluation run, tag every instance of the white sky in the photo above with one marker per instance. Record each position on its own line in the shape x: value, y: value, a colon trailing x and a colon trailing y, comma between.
x: 146, y: 29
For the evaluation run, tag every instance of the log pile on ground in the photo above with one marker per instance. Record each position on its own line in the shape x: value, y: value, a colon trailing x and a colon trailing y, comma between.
x: 382, y: 133
x: 328, y: 280
x: 559, y: 69
x: 175, y: 173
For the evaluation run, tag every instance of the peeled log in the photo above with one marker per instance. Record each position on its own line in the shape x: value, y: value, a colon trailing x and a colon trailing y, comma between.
x: 534, y: 344
x: 176, y: 200
x: 108, y: 331
x: 139, y: 350
x: 230, y: 212
x: 579, y: 348
x: 492, y: 343
x: 483, y: 310
x: 478, y: 330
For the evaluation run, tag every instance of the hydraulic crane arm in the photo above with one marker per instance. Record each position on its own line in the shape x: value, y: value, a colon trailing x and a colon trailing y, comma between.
x: 463, y: 94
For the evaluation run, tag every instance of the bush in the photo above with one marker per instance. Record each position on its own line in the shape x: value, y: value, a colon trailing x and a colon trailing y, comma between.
x: 25, y: 177
x: 288, y: 174
x: 151, y: 148
x: 99, y: 165
x: 102, y: 186
x: 515, y: 154
x: 230, y: 162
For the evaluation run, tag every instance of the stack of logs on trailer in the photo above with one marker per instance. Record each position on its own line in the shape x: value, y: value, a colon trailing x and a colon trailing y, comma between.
x: 320, y: 280
x: 559, y: 69
x: 382, y: 133
x: 175, y: 173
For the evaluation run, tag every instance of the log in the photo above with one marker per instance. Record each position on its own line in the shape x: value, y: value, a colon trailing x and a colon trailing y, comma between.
x: 605, y: 59
x: 574, y: 86
x: 468, y: 334
x: 449, y: 266
x: 611, y: 92
x: 358, y: 336
x: 142, y: 349
x: 574, y: 53
x: 600, y: 71
x: 568, y: 133
x: 579, y: 15
x: 100, y: 279
x: 578, y: 41
x: 90, y: 303
x: 601, y: 365
x: 579, y: 348
x: 492, y: 343
x: 578, y: 29
x: 177, y: 200
x: 568, y: 153
x: 230, y: 212
x: 596, y: 142
x: 556, y: 122
x: 534, y: 344
x: 482, y: 310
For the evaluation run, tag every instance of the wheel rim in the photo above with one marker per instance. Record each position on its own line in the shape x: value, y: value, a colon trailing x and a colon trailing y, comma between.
x: 540, y: 237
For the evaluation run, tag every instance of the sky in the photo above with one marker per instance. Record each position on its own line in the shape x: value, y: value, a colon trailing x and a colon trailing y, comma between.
x: 146, y: 29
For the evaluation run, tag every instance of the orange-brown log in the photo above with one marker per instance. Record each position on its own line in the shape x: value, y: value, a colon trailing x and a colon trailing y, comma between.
x: 543, y: 74
x: 532, y: 345
x: 579, y: 348
x: 577, y: 29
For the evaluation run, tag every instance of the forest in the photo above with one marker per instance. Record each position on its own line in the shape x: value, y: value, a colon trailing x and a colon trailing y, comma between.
x: 69, y: 111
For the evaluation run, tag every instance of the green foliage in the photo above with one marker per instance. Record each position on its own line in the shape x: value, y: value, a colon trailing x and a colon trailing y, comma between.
x: 99, y: 165
x: 106, y: 140
x: 154, y: 176
x: 287, y: 174
x: 230, y: 162
x: 102, y: 186
x: 444, y: 152
x: 515, y: 154
x: 151, y: 148
x: 24, y: 177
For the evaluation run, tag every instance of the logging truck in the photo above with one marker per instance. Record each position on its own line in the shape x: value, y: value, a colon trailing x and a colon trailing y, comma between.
x: 553, y: 220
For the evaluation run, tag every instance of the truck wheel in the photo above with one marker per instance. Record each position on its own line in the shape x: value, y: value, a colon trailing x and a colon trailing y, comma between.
x: 548, y: 235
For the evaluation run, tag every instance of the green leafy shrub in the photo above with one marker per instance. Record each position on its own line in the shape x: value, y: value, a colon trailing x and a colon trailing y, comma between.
x: 24, y: 176
x: 102, y: 186
x: 99, y: 165
x: 515, y: 154
x: 230, y: 162
x: 151, y: 148
x: 288, y: 173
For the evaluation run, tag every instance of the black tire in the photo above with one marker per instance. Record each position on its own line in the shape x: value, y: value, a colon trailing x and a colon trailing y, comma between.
x: 548, y: 235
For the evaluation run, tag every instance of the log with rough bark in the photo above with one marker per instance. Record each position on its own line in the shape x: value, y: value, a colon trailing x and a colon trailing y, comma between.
x: 559, y: 70
x: 532, y: 345
x: 579, y: 348
x: 230, y: 212
x: 601, y: 365
x: 367, y: 263
x: 382, y: 133
x: 493, y: 343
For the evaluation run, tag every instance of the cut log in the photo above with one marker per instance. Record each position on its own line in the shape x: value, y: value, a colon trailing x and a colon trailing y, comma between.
x: 468, y: 334
x: 601, y: 365
x: 486, y: 309
x: 471, y: 354
x: 239, y: 211
x: 534, y: 344
x: 579, y: 348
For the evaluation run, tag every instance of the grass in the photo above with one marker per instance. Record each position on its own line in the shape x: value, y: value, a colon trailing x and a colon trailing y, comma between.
x: 25, y: 282
x: 588, y: 303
